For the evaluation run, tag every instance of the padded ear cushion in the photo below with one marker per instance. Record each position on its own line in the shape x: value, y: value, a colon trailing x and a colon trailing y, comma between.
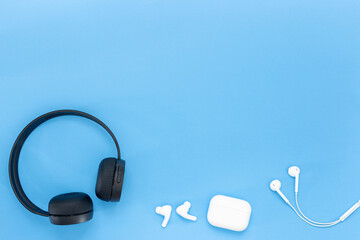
x: 105, y: 179
x: 67, y: 204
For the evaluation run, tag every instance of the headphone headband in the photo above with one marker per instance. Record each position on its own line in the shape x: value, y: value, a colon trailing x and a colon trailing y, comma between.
x: 19, y: 142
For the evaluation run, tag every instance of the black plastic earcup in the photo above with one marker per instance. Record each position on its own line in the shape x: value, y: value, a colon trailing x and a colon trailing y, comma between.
x: 110, y: 179
x: 70, y: 208
x: 105, y: 179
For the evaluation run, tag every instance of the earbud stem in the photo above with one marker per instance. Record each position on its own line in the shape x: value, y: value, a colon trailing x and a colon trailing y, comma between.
x: 296, y: 183
x: 283, y: 196
x: 190, y: 217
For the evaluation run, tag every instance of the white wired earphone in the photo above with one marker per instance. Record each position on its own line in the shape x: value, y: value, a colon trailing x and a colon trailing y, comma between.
x: 294, y: 171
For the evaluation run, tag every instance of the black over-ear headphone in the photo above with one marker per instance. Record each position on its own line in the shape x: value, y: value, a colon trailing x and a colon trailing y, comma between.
x: 76, y: 207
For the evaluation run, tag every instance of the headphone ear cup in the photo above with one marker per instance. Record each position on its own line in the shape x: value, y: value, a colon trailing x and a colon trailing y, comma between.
x: 70, y: 208
x: 118, y: 180
x: 105, y: 179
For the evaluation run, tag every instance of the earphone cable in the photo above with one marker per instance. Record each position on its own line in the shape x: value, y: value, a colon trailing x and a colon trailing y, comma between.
x: 298, y: 207
x: 312, y: 224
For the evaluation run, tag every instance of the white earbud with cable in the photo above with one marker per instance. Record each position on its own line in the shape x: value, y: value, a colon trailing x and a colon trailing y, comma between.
x: 294, y: 171
x: 275, y: 186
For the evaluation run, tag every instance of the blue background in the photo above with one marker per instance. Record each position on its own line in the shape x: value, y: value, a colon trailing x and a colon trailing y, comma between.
x: 205, y: 98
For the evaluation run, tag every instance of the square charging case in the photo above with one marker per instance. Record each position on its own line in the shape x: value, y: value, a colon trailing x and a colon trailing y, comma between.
x: 229, y: 213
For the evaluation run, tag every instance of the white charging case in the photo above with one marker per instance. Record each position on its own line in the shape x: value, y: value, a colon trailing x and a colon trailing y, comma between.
x: 229, y: 213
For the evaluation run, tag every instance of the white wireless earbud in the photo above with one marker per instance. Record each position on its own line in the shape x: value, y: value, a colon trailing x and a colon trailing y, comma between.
x: 183, y: 210
x: 294, y: 171
x: 166, y: 212
x: 275, y: 186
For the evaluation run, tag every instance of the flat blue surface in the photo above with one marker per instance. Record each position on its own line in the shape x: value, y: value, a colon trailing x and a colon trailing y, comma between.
x: 205, y: 98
